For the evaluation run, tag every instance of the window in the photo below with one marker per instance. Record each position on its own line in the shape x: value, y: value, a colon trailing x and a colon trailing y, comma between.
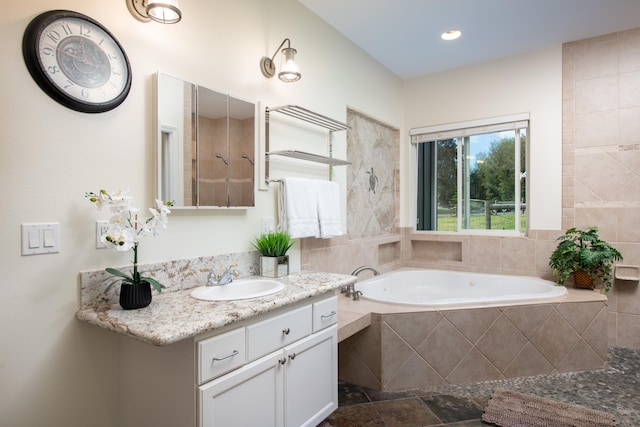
x: 472, y: 176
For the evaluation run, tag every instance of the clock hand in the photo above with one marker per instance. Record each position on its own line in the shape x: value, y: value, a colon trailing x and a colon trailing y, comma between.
x: 71, y: 52
x: 84, y: 51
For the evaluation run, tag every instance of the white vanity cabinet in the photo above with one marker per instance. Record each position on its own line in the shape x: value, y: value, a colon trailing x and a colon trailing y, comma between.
x: 268, y: 361
x: 276, y: 371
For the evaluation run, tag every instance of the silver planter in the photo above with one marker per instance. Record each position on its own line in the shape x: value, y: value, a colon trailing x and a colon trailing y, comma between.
x: 274, y: 266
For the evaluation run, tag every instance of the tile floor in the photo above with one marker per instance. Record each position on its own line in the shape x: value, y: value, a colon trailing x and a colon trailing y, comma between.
x: 615, y: 389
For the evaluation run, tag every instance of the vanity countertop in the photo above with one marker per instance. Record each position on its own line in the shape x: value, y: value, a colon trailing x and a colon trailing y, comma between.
x: 175, y: 316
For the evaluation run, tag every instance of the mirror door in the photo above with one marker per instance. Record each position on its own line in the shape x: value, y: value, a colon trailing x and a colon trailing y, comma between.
x: 205, y: 146
x: 212, y: 148
x: 241, y: 152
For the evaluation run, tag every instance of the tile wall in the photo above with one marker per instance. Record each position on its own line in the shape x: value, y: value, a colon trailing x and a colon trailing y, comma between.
x: 601, y: 158
x: 461, y: 346
x: 373, y: 149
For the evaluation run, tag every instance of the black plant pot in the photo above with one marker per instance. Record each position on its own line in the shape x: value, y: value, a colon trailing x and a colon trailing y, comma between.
x: 135, y: 296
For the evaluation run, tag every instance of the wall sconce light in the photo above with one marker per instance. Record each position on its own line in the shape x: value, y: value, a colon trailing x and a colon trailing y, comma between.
x: 163, y: 11
x: 289, y: 72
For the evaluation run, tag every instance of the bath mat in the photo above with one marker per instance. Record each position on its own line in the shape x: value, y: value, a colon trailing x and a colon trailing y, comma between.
x: 509, y: 408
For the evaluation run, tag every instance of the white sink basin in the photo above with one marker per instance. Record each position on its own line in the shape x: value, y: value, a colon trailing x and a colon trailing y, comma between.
x: 238, y: 289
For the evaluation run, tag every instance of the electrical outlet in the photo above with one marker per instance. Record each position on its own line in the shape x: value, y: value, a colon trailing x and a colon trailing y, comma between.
x: 102, y: 228
x: 267, y: 225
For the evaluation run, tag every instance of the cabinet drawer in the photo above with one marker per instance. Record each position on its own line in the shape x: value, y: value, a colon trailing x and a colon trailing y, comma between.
x: 221, y: 354
x: 277, y: 332
x: 325, y: 313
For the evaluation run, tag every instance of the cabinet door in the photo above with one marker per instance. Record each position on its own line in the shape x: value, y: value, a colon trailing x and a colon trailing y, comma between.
x: 247, y: 397
x: 311, y: 379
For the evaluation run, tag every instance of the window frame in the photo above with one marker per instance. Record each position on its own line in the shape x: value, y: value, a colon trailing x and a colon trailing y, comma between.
x: 460, y: 130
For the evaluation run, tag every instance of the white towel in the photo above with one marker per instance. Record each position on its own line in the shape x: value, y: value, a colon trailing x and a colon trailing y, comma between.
x: 298, y: 207
x: 329, y: 212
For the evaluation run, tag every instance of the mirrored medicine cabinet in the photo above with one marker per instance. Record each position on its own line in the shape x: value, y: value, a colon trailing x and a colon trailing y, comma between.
x: 205, y: 146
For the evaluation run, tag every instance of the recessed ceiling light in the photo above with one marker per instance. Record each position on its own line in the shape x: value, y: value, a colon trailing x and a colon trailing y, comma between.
x: 451, y: 34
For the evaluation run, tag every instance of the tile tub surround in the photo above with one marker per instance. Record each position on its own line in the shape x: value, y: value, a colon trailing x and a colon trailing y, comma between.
x: 174, y: 316
x: 407, y: 347
x: 525, y: 256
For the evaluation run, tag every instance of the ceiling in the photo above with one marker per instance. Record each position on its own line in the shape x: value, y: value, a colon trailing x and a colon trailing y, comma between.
x: 404, y: 35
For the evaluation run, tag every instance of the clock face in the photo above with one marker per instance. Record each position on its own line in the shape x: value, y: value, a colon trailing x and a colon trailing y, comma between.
x: 76, y: 61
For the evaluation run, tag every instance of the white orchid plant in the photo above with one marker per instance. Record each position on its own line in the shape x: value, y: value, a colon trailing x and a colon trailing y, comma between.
x: 126, y: 229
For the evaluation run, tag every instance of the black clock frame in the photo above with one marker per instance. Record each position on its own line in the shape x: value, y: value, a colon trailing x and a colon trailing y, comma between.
x: 34, y: 65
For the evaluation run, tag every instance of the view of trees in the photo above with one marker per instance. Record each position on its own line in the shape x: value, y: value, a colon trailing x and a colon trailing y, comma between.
x: 491, y: 197
x: 491, y: 179
x: 447, y: 172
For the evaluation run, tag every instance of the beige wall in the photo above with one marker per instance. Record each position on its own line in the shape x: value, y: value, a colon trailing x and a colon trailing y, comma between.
x: 529, y: 83
x: 54, y: 370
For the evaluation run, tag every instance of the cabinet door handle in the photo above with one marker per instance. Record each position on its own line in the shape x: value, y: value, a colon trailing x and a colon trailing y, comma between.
x: 326, y: 316
x: 282, y: 361
x: 217, y: 359
x: 286, y: 331
x: 292, y: 356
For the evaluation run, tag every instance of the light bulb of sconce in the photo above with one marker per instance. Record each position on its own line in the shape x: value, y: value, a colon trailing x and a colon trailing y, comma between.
x: 164, y: 11
x: 290, y: 71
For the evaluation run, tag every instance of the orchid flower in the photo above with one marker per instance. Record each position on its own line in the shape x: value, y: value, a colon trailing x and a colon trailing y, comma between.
x: 126, y: 229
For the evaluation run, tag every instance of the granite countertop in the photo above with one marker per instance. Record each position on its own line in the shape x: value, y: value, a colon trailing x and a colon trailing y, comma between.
x: 175, y: 316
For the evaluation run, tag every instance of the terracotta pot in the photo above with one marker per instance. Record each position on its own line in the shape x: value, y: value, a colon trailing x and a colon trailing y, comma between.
x: 135, y: 296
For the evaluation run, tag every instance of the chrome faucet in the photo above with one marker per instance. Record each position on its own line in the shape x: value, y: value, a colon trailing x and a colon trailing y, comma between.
x: 225, y: 278
x: 350, y: 290
x: 363, y: 268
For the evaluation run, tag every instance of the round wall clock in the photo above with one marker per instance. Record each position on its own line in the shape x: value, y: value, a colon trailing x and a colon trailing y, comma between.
x: 76, y: 61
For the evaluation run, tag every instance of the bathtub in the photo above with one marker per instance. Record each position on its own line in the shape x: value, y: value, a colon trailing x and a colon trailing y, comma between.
x: 440, y: 288
x: 425, y: 328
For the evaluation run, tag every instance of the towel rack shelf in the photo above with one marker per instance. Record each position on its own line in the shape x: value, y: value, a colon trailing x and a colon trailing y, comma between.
x: 310, y: 157
x: 307, y: 116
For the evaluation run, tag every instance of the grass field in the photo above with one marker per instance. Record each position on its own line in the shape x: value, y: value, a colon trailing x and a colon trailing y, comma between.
x: 499, y: 221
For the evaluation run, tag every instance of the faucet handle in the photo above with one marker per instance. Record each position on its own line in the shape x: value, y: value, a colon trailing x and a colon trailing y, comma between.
x: 349, y: 290
x: 229, y: 270
x: 211, y: 277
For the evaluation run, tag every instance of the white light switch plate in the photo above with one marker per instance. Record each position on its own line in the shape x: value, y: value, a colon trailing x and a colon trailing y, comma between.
x: 40, y: 239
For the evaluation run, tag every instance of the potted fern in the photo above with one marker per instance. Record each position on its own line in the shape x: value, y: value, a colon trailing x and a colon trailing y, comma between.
x: 273, y: 247
x: 582, y: 253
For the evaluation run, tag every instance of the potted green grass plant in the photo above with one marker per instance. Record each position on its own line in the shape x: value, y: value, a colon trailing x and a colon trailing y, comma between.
x: 273, y: 247
x: 582, y: 253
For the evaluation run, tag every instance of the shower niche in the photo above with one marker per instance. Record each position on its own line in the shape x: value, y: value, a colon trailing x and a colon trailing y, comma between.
x: 205, y: 147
